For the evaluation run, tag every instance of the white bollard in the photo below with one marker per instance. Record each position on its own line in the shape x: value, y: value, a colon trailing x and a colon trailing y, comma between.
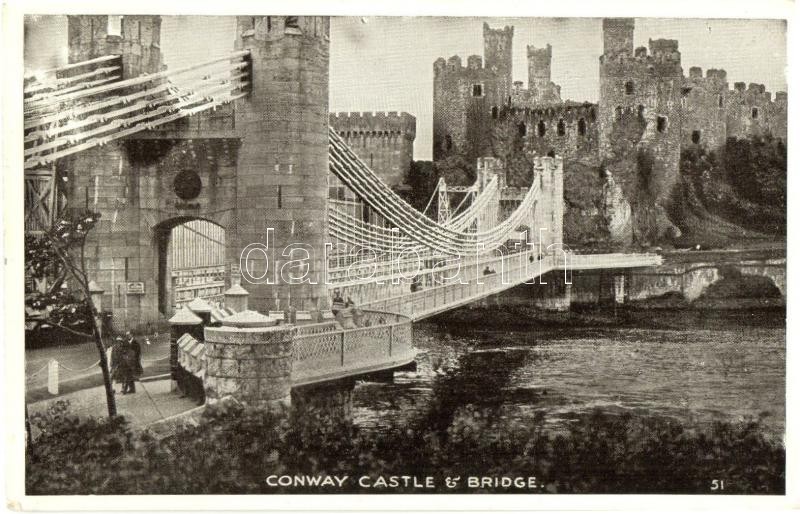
x: 52, y: 376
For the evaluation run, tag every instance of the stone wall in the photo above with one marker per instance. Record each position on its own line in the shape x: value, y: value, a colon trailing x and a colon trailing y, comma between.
x: 254, y: 365
x: 646, y: 84
x: 752, y: 111
x: 384, y: 141
x: 569, y: 131
x: 703, y: 109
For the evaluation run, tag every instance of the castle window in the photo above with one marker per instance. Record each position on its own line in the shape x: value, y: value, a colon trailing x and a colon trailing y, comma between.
x: 661, y: 123
x: 292, y: 22
x: 561, y: 128
x: 629, y: 87
x: 582, y: 127
x: 541, y: 129
x: 755, y: 113
x: 719, y: 100
x: 494, y: 112
x: 695, y: 136
x: 551, y: 153
x: 523, y: 129
x: 115, y: 25
x: 371, y: 162
x: 280, y: 198
x: 448, y: 142
x: 619, y: 112
x: 269, y: 23
x: 592, y: 114
x: 477, y: 89
x: 640, y: 112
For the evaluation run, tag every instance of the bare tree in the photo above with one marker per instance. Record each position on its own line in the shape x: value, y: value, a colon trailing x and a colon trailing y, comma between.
x: 60, y: 253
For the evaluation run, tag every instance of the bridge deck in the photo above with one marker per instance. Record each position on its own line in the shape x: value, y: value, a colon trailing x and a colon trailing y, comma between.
x: 509, y: 271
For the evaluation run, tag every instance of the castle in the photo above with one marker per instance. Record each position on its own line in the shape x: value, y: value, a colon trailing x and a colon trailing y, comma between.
x: 471, y: 102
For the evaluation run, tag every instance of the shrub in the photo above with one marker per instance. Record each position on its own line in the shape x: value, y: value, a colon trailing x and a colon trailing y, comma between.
x: 234, y: 448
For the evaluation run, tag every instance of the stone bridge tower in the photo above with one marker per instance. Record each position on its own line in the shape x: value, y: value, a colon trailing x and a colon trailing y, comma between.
x: 282, y: 173
x: 258, y: 169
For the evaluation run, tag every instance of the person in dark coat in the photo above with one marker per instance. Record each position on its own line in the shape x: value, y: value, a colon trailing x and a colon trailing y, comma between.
x: 135, y: 361
x: 122, y: 367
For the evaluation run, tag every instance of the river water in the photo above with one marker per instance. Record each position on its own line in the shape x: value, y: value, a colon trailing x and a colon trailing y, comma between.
x: 698, y: 375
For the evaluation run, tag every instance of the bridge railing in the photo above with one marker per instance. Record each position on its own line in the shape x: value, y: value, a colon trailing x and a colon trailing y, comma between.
x: 324, y: 351
x: 505, y: 272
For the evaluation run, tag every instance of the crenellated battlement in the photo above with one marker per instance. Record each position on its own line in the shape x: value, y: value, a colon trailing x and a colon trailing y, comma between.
x: 544, y: 54
x: 455, y: 66
x: 263, y: 28
x: 378, y: 123
x: 662, y: 57
x: 712, y: 74
x: 714, y: 80
x: 756, y: 93
x: 643, y: 58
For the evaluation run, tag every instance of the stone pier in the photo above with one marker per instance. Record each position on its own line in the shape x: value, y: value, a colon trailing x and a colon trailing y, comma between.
x: 249, y: 358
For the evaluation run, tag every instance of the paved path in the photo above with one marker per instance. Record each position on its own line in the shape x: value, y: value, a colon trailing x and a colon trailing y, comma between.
x: 78, y: 365
x: 153, y: 401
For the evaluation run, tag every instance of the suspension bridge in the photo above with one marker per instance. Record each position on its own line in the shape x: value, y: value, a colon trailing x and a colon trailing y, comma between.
x: 401, y: 262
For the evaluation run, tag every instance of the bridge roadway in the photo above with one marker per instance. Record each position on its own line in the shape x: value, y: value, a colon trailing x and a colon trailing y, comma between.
x: 463, y: 281
x: 379, y: 336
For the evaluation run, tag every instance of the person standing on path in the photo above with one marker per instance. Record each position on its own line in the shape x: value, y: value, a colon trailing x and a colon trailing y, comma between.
x: 122, y: 357
x: 135, y: 350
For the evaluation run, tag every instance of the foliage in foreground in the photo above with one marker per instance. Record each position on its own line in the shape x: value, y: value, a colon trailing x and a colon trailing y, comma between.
x: 234, y: 448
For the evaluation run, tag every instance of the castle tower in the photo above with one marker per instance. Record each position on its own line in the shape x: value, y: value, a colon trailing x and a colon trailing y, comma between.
x: 539, y: 60
x: 703, y: 108
x: 618, y: 37
x: 497, y: 55
x: 384, y: 141
x: 540, y: 86
x: 282, y: 172
x: 640, y: 103
x: 137, y: 38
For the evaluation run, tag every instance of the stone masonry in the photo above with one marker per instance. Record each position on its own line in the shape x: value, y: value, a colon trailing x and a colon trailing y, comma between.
x: 384, y: 141
x: 262, y: 163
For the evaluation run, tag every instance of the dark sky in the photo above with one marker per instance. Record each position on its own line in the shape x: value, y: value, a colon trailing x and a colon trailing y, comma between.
x: 386, y: 63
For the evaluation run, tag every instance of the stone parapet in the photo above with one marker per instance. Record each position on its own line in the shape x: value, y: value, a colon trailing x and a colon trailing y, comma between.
x: 253, y: 365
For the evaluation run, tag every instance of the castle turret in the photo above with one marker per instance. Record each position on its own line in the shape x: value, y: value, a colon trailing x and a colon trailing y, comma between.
x: 618, y: 37
x: 640, y: 104
x: 539, y: 60
x: 497, y: 53
x: 541, y: 89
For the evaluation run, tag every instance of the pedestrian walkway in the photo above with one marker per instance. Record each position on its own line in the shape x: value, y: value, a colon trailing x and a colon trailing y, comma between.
x: 152, y: 402
x: 78, y: 366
